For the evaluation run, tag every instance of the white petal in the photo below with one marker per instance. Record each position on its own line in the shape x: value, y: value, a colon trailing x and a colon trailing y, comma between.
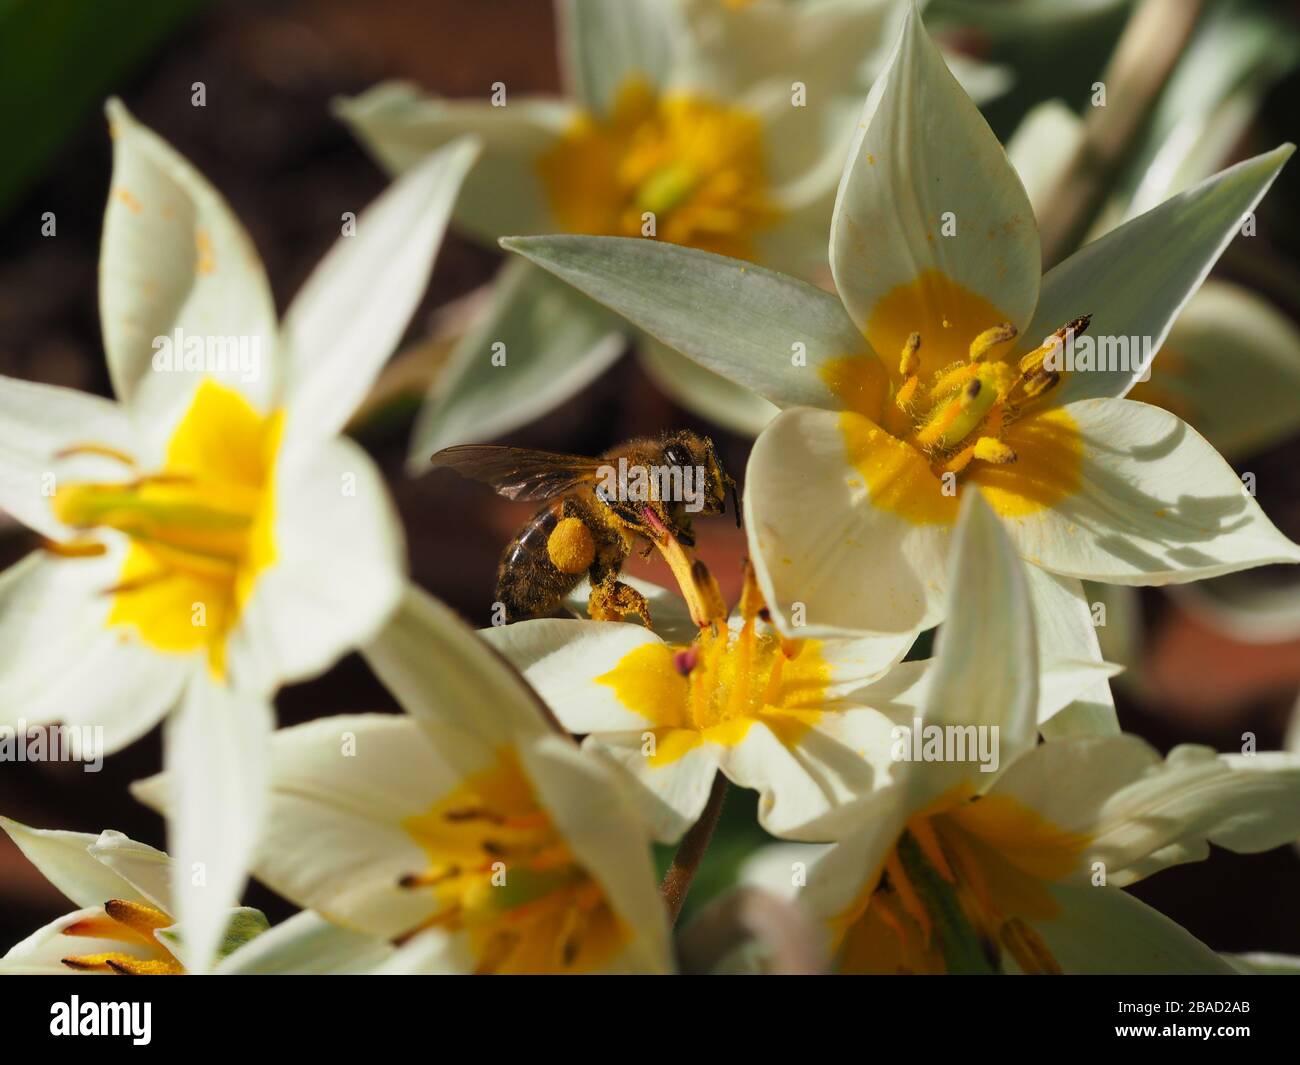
x: 929, y: 200
x: 332, y: 516
x: 1139, y: 814
x: 145, y: 868
x: 217, y: 759
x: 986, y: 660
x: 758, y: 328
x: 598, y: 822
x: 66, y: 664
x: 562, y: 661
x: 334, y: 841
x: 1102, y: 930
x: 354, y: 308
x: 65, y: 860
x: 306, y: 945
x: 818, y: 537
x: 175, y: 257
x: 806, y: 786
x: 671, y: 795
x: 1151, y: 503
x: 554, y: 342
x: 447, y: 677
x: 1136, y: 279
x: 42, y: 953
x: 604, y: 45
x: 1070, y: 657
x: 36, y: 423
x: 401, y: 125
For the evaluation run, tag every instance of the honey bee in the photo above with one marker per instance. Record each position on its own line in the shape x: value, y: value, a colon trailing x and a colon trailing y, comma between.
x: 596, y: 508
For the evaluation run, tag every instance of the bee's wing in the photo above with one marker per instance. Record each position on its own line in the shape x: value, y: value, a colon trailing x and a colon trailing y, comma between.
x: 519, y: 472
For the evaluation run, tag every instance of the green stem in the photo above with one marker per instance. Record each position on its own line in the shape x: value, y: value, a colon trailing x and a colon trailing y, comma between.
x: 677, y: 881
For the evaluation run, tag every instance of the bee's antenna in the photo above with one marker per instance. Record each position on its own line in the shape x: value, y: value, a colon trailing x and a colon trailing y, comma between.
x: 735, y: 497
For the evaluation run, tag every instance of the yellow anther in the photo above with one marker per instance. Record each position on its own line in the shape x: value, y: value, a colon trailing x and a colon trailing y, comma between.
x: 909, y: 362
x: 1040, y: 381
x: 991, y: 338
x: 906, y: 394
x: 990, y: 449
x: 137, y: 916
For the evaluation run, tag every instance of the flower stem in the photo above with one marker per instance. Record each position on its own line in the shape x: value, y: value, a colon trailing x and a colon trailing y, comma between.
x: 677, y: 881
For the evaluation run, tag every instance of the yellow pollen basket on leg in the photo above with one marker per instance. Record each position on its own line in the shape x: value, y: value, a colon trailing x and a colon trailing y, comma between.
x: 958, y: 409
x: 500, y: 872
x: 200, y: 529
x: 695, y: 166
x: 959, y: 891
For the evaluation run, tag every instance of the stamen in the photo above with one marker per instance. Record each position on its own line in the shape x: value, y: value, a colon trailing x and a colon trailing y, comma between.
x: 910, y: 361
x: 1028, y: 948
x: 990, y: 449
x: 102, y: 450
x: 74, y: 548
x: 990, y: 339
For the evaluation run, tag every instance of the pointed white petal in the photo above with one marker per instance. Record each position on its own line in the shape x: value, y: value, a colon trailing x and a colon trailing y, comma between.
x: 1070, y: 657
x: 145, y: 868
x: 1102, y: 930
x: 669, y: 795
x: 563, y: 660
x: 932, y: 227
x: 37, y: 422
x: 1138, y: 813
x: 66, y: 664
x: 986, y: 661
x: 174, y: 256
x: 598, y: 822
x: 400, y: 125
x: 604, y: 45
x: 1136, y: 279
x: 447, y: 677
x: 215, y: 749
x: 764, y: 330
x: 1150, y: 502
x: 353, y: 309
x: 341, y: 788
x: 306, y: 945
x: 42, y: 953
x: 65, y: 860
x: 830, y: 551
x: 332, y: 515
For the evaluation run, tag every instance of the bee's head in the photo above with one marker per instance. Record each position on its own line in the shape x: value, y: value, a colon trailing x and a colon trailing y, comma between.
x: 686, y: 449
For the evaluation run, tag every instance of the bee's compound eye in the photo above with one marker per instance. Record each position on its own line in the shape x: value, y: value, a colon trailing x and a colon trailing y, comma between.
x: 677, y: 455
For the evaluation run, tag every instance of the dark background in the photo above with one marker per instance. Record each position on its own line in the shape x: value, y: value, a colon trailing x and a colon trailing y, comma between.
x: 267, y: 141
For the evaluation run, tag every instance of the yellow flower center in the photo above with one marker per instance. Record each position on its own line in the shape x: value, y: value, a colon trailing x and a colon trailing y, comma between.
x: 955, y: 408
x: 131, y: 923
x: 680, y: 168
x: 716, y: 688
x: 958, y: 892
x: 501, y: 872
x: 200, y: 528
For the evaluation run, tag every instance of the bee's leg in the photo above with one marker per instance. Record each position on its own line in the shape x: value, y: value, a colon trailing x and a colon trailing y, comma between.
x: 612, y: 600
